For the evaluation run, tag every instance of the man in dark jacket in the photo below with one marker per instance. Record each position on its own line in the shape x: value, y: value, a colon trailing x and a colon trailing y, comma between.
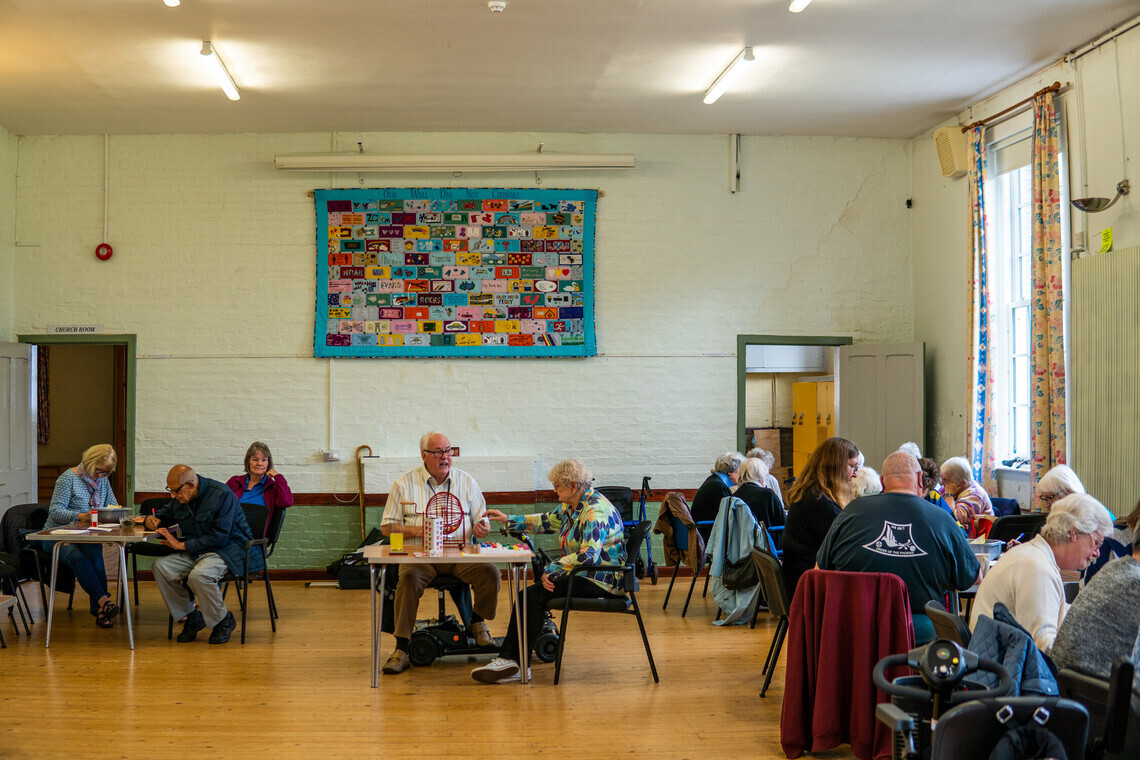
x: 214, y: 531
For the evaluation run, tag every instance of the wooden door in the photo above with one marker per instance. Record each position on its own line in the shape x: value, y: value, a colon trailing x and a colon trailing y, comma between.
x: 825, y: 411
x: 18, y: 481
x: 882, y: 399
x: 805, y: 407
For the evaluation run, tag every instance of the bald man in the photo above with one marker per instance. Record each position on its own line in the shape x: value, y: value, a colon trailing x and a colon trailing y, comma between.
x: 214, y: 531
x: 899, y: 532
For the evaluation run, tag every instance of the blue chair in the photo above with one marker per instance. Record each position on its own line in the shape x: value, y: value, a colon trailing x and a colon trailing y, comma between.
x: 681, y: 541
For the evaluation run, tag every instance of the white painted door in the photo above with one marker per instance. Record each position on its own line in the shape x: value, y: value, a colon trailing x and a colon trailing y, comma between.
x: 17, y: 425
x: 882, y: 399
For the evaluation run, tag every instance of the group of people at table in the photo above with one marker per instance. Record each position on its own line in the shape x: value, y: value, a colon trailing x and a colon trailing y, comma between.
x: 914, y: 520
x: 203, y: 524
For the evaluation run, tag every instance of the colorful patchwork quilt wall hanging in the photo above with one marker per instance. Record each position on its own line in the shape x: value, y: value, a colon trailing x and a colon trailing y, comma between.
x: 455, y: 272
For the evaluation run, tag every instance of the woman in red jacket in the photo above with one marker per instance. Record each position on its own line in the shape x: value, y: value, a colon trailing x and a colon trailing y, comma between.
x: 261, y: 484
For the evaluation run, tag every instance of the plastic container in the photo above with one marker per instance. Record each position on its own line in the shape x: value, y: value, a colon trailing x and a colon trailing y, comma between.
x: 992, y: 548
x: 110, y: 515
x: 94, y: 518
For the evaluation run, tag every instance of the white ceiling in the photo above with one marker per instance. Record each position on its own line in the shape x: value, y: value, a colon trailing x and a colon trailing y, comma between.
x: 884, y: 68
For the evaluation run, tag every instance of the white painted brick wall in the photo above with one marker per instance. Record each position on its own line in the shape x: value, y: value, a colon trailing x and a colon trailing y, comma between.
x: 491, y: 473
x: 214, y: 266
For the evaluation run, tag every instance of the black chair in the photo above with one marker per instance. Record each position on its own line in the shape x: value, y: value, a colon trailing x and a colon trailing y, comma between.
x: 947, y: 625
x: 1112, y: 708
x: 266, y: 532
x: 6, y: 603
x: 9, y: 577
x: 146, y: 548
x: 776, y: 593
x: 35, y: 559
x: 1020, y: 527
x: 971, y: 730
x: 681, y: 541
x: 626, y: 604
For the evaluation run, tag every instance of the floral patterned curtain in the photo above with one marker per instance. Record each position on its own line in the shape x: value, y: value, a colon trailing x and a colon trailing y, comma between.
x: 43, y: 396
x: 1047, y: 435
x: 979, y: 383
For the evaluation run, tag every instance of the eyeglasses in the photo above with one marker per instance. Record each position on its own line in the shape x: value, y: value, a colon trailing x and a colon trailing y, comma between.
x: 1097, y: 540
x: 174, y: 491
x: 439, y: 453
x: 101, y: 473
x: 1048, y: 498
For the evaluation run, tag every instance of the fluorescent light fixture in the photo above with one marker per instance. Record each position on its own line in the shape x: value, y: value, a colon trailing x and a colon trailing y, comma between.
x: 798, y: 5
x: 225, y: 81
x: 729, y: 75
x: 523, y: 162
x: 172, y: 3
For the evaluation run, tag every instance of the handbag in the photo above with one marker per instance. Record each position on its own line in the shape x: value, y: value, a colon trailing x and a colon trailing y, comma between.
x: 740, y: 574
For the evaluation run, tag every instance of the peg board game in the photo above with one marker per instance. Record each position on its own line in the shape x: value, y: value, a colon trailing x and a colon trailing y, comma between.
x: 455, y: 272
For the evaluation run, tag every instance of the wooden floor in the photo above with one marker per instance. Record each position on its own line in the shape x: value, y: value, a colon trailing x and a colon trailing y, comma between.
x: 304, y: 691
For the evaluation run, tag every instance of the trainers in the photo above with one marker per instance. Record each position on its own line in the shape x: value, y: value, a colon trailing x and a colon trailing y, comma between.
x: 482, y: 634
x: 194, y: 623
x: 223, y: 630
x: 497, y: 670
x: 397, y: 662
x: 516, y: 678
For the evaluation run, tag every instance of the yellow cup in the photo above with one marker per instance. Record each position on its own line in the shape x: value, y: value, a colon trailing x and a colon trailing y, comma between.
x: 397, y: 542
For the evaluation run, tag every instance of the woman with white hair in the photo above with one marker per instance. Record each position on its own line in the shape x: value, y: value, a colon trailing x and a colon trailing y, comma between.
x: 866, y: 483
x: 1056, y: 484
x: 1027, y: 578
x: 763, y: 504
x: 966, y: 496
x: 772, y: 482
x: 721, y: 481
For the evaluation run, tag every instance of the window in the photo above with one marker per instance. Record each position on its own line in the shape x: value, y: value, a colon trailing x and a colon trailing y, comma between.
x: 1009, y: 238
x: 1009, y: 244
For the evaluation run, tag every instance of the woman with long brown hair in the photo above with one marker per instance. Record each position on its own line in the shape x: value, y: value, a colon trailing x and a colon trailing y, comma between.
x: 816, y: 498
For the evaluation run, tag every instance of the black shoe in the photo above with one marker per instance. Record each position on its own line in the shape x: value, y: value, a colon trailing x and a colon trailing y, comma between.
x: 194, y: 623
x: 222, y: 631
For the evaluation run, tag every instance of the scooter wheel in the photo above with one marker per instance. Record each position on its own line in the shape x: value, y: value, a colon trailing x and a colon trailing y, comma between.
x: 423, y: 650
x: 546, y: 647
x: 639, y: 567
x: 653, y: 574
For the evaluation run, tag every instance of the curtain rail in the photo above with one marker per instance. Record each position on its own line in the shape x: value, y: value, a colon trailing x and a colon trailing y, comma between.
x: 1019, y: 105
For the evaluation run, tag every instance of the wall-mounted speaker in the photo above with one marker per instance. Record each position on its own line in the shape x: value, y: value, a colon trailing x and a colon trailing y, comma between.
x: 950, y: 144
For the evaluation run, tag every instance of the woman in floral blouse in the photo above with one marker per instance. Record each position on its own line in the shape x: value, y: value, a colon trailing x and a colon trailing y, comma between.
x: 590, y: 532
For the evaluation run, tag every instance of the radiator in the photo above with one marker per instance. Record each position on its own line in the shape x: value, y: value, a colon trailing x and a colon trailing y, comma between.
x: 1105, y: 376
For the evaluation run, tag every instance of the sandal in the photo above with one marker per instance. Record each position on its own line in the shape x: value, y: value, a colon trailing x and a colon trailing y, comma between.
x: 106, y: 615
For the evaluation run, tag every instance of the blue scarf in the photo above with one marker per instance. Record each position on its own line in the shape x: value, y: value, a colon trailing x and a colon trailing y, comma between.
x: 93, y: 484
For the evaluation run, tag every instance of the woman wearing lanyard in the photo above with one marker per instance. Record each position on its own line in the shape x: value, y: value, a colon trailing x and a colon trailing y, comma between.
x: 78, y: 491
x: 261, y: 484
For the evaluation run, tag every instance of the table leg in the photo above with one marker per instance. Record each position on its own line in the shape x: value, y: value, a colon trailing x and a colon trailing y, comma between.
x: 377, y: 620
x: 520, y: 621
x: 125, y: 593
x: 51, y: 597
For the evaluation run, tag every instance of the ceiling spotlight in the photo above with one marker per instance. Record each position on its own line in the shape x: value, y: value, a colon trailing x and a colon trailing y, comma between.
x: 172, y: 3
x: 225, y: 81
x: 497, y: 6
x: 1093, y: 205
x: 798, y: 5
x: 729, y: 75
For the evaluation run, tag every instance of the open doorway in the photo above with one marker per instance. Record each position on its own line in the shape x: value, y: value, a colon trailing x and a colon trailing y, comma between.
x: 89, y: 390
x: 787, y: 399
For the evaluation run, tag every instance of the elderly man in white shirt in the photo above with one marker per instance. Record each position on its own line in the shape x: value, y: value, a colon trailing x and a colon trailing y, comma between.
x: 404, y: 513
x: 1027, y: 578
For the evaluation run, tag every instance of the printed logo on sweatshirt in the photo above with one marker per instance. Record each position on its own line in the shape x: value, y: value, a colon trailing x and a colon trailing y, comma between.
x: 895, y: 541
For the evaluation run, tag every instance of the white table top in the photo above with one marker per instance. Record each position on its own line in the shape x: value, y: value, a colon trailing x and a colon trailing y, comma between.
x: 379, y: 554
x: 116, y: 535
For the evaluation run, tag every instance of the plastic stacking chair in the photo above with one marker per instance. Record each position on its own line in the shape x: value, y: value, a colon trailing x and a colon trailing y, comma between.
x: 1113, y: 709
x: 1011, y: 526
x: 776, y: 592
x: 947, y: 625
x: 267, y: 534
x: 626, y: 605
x: 681, y: 540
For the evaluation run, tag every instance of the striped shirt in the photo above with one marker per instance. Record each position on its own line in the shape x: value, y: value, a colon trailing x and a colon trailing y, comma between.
x: 411, y: 492
x: 589, y: 534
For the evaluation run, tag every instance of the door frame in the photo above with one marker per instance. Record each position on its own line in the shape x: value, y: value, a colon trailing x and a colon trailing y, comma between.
x: 127, y: 457
x: 742, y: 343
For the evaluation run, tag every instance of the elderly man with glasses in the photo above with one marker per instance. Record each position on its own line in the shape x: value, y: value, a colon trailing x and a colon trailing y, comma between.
x: 404, y: 513
x: 214, y: 531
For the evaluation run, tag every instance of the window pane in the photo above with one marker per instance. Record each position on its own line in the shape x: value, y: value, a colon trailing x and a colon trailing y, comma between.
x: 1021, y: 430
x: 1021, y: 330
x: 1020, y: 380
